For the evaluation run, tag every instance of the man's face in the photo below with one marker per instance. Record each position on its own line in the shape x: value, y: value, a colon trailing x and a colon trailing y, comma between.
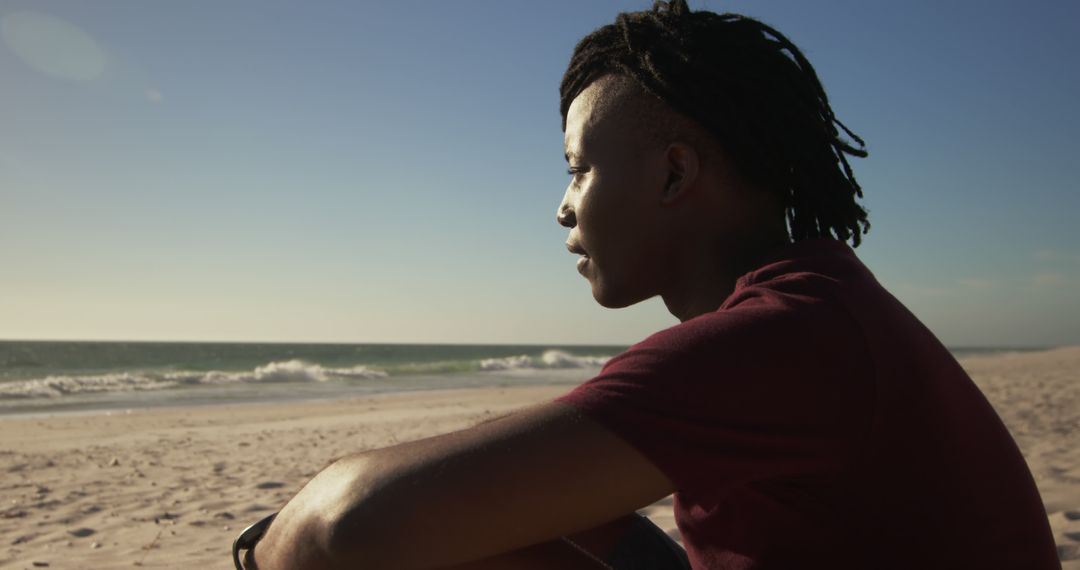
x: 613, y: 203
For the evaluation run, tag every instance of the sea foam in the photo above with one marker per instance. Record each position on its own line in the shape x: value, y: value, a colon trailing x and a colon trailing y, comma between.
x: 281, y: 371
x: 549, y: 359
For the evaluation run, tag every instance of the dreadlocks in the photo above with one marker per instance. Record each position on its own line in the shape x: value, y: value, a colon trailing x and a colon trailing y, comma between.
x: 749, y: 87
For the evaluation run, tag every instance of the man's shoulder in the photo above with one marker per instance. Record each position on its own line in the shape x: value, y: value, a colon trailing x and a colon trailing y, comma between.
x: 760, y: 337
x: 781, y: 313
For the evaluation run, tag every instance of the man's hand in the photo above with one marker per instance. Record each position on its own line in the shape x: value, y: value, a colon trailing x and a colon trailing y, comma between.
x: 519, y: 480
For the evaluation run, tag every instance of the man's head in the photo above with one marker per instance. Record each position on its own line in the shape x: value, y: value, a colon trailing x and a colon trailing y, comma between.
x: 672, y: 116
x: 649, y: 192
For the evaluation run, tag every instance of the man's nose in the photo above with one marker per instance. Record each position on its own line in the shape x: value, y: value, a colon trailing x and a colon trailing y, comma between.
x: 565, y: 214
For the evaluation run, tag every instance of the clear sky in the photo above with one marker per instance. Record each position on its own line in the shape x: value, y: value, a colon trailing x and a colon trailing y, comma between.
x: 389, y: 171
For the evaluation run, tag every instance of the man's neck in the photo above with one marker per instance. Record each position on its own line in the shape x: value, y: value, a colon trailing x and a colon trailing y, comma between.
x: 706, y: 283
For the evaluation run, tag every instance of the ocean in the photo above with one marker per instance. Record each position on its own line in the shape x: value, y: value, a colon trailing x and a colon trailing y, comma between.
x: 47, y: 376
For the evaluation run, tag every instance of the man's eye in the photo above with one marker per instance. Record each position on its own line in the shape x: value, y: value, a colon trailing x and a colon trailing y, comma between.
x: 575, y: 170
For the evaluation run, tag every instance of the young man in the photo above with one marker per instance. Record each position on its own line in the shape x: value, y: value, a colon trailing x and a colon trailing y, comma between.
x: 801, y: 416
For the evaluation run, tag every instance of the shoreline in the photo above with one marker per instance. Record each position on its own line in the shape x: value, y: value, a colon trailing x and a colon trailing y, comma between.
x: 285, y: 392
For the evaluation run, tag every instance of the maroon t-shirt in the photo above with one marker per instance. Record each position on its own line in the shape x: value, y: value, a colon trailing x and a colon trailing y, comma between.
x: 813, y: 422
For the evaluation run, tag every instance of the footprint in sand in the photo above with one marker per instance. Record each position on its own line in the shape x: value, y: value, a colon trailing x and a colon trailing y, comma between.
x: 81, y: 532
x: 270, y: 485
x: 1068, y: 552
x: 24, y: 538
x: 1072, y: 515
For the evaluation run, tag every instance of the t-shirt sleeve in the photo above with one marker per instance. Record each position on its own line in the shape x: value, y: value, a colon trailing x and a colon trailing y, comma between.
x: 739, y: 396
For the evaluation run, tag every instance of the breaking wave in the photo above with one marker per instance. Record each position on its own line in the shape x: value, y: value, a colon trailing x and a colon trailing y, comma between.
x: 550, y: 359
x: 283, y: 371
x: 278, y: 371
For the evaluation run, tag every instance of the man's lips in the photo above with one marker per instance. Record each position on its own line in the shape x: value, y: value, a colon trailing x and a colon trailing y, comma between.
x: 583, y: 261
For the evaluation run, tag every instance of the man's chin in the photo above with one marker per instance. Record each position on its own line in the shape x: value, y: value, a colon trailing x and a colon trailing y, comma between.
x: 614, y: 300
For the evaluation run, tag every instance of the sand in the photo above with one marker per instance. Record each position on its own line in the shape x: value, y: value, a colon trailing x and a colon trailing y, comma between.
x: 1037, y: 395
x: 170, y: 488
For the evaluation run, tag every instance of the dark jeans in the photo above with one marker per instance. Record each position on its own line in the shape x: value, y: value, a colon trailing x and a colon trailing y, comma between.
x: 640, y: 546
x: 646, y: 547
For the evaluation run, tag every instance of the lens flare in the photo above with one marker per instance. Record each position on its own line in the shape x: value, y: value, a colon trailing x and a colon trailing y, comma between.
x: 53, y: 46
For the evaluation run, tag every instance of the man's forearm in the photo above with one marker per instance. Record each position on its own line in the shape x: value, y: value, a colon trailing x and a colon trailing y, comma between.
x: 362, y: 511
x: 326, y: 523
x: 524, y: 479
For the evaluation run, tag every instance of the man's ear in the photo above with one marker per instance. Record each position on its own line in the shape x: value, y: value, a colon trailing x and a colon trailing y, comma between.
x: 682, y: 163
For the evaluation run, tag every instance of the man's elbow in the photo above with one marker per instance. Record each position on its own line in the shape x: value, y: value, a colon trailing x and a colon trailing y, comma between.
x: 366, y: 517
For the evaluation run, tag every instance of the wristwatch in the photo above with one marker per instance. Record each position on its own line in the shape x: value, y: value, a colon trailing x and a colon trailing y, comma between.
x: 247, y: 540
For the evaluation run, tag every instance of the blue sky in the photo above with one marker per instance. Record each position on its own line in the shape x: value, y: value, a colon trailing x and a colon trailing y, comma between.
x: 389, y: 172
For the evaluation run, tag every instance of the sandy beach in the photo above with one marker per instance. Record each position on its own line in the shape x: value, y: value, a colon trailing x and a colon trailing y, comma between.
x: 171, y: 487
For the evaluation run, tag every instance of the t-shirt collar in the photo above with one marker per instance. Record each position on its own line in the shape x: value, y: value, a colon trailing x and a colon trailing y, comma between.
x: 778, y: 257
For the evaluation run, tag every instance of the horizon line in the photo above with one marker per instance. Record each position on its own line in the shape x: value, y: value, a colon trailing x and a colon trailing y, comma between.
x: 950, y: 347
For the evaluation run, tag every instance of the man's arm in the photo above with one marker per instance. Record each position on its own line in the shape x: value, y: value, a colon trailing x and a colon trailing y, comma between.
x: 499, y: 486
